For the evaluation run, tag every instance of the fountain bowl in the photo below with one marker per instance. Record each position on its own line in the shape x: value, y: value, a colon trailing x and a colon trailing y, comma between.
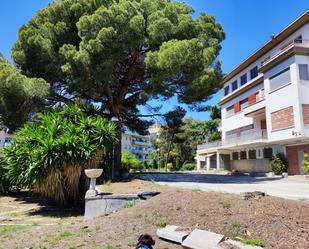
x: 93, y: 173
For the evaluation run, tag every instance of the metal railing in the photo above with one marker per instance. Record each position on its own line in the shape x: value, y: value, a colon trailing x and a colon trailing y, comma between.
x: 243, y: 137
x: 259, y: 97
x: 247, y: 136
x: 209, y: 145
x: 283, y: 49
x: 144, y: 143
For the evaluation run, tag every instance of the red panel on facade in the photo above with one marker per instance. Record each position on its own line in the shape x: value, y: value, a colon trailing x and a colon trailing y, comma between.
x: 237, y: 107
x: 252, y: 99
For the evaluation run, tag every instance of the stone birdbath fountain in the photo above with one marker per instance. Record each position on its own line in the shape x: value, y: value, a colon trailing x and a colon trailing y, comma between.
x: 98, y: 203
x: 93, y: 174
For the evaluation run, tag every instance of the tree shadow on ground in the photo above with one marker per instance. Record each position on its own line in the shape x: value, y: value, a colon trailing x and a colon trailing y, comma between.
x: 47, y: 208
x: 204, y: 178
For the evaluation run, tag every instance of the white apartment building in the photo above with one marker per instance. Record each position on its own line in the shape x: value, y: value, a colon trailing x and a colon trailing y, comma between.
x: 5, y: 138
x: 265, y: 106
x: 136, y: 144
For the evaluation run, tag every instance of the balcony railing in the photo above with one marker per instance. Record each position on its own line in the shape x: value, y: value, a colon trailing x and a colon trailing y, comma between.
x: 283, y: 49
x: 242, y: 138
x: 258, y: 98
x: 143, y: 143
x: 209, y: 145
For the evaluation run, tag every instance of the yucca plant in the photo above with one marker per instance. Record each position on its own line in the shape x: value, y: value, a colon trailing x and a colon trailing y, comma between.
x: 49, y: 155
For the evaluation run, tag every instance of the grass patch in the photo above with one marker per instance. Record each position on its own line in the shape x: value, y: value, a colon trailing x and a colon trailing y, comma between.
x: 196, y: 190
x: 97, y: 228
x: 108, y: 247
x: 160, y: 222
x: 65, y: 234
x: 233, y: 230
x: 60, y: 236
x: 129, y: 204
x: 225, y: 204
x: 252, y: 242
x: 7, y: 231
x: 108, y: 189
x: 108, y: 182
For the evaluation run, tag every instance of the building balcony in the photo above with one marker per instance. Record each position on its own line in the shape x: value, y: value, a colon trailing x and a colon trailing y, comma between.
x: 209, y: 145
x: 256, y: 107
x: 297, y: 46
x: 141, y: 143
x: 247, y: 137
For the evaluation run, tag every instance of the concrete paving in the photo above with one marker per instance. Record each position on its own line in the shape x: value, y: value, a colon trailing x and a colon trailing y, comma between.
x: 295, y: 188
x: 170, y: 233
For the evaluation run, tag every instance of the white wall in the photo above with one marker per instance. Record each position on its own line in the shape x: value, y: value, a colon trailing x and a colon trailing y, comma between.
x: 303, y: 91
x: 238, y: 119
x: 303, y: 31
x: 3, y: 136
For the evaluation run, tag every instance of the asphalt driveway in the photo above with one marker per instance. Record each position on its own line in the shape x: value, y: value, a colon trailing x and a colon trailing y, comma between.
x: 290, y: 188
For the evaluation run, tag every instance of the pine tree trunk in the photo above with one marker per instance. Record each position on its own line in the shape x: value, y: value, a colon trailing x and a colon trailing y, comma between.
x: 168, y: 152
x: 116, y: 166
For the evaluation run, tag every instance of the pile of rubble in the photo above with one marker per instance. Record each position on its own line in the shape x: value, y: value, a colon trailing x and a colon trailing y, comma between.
x: 200, y: 239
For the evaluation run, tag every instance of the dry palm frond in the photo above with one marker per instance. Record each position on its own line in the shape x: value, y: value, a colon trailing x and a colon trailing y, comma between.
x: 52, y: 187
x: 71, y: 176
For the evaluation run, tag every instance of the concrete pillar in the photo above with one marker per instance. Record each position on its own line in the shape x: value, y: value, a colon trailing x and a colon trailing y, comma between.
x: 208, y: 162
x: 198, y: 165
x: 218, y: 160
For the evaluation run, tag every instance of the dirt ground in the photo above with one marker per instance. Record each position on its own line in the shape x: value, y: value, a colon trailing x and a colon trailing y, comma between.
x: 28, y: 223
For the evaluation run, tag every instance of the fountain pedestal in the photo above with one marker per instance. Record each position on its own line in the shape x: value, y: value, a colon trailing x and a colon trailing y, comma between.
x: 93, y: 174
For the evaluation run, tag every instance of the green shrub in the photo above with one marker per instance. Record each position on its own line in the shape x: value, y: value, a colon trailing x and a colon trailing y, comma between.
x: 170, y: 166
x: 4, y: 182
x: 129, y: 161
x: 215, y: 136
x: 279, y: 164
x: 49, y: 154
x: 306, y: 164
x: 178, y: 164
x: 154, y: 164
x: 189, y: 166
x: 162, y: 164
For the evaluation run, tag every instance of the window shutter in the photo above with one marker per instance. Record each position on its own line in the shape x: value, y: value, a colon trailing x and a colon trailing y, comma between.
x: 252, y: 99
x: 237, y: 107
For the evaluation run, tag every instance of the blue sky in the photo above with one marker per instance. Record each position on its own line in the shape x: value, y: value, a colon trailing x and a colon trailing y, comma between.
x: 248, y: 25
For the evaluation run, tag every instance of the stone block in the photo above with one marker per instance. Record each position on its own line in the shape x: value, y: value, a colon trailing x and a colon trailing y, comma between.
x: 173, y: 233
x: 200, y: 239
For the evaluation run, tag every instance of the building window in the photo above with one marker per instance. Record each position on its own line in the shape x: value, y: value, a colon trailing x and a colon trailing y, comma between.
x: 243, y: 79
x: 267, y: 152
x: 234, y: 85
x: 254, y: 72
x: 243, y: 103
x: 243, y: 155
x: 280, y: 79
x: 303, y: 72
x: 230, y: 111
x: 235, y: 156
x: 252, y: 154
x: 226, y: 90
